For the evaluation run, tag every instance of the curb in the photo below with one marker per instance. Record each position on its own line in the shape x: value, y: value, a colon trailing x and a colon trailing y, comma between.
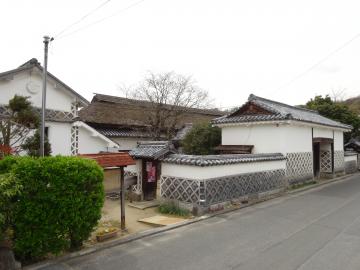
x: 325, y: 182
x: 155, y: 231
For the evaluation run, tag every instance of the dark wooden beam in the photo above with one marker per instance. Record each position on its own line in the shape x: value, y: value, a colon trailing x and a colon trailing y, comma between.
x: 122, y: 199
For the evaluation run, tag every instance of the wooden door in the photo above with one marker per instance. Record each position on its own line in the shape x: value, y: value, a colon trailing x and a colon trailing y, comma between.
x: 316, y: 159
x: 150, y: 176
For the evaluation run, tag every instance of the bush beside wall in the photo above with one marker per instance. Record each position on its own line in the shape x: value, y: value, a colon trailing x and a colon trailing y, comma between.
x: 59, y: 205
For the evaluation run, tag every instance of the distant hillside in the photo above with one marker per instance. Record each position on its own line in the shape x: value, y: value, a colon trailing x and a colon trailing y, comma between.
x: 354, y: 104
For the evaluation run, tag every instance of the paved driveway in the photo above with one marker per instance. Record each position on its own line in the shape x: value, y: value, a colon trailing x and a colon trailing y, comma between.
x: 316, y: 230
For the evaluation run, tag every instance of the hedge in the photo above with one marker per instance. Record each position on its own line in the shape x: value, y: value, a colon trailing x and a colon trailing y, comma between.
x: 59, y: 205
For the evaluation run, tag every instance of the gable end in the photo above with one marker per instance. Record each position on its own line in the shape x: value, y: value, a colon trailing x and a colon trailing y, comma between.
x: 251, y: 109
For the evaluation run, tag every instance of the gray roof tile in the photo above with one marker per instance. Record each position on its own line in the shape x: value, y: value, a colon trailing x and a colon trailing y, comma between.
x: 214, y: 160
x: 279, y: 111
x: 123, y: 132
x: 152, y: 149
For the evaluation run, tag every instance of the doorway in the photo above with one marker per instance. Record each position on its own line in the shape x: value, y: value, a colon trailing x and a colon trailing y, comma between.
x: 150, y: 178
x: 316, y: 158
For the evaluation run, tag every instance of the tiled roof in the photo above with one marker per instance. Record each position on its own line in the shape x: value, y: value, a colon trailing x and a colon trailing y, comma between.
x: 180, y: 135
x: 123, y: 132
x: 107, y: 160
x: 354, y: 144
x: 152, y: 149
x: 277, y: 111
x: 214, y: 160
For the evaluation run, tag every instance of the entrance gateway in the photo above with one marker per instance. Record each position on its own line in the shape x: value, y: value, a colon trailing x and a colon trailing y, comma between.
x: 323, y: 157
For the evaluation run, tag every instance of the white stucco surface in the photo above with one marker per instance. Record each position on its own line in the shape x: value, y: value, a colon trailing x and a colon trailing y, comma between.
x: 60, y: 138
x: 325, y: 146
x: 196, y: 172
x: 29, y: 83
x: 90, y: 142
x: 323, y: 132
x: 350, y: 158
x: 57, y: 98
x: 135, y: 168
x: 269, y: 138
x: 338, y: 141
x: 283, y: 138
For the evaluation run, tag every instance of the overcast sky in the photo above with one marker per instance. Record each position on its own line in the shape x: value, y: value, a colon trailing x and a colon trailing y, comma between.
x: 231, y: 48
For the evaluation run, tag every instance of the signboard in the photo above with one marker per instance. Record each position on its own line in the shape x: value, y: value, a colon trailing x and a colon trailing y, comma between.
x: 151, y: 172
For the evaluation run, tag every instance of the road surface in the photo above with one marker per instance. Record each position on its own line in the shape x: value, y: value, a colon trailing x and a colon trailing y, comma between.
x: 315, y: 230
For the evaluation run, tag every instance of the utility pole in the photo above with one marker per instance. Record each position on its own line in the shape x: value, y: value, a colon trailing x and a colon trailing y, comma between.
x: 43, y: 106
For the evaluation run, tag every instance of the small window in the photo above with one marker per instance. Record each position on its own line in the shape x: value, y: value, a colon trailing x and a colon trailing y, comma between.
x: 46, y: 132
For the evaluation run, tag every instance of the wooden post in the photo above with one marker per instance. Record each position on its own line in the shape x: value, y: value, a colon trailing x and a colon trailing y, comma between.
x: 122, y: 199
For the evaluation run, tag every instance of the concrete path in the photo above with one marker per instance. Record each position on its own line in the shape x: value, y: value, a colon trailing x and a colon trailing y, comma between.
x: 316, y: 230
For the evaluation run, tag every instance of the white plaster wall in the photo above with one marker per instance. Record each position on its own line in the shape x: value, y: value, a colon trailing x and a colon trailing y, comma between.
x: 196, y: 172
x: 88, y: 143
x: 325, y: 146
x: 350, y: 158
x: 323, y: 133
x: 270, y: 138
x: 60, y: 138
x: 338, y: 140
x: 57, y: 98
x: 135, y: 168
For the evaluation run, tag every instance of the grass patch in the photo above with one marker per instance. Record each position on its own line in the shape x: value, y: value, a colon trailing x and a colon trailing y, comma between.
x: 171, y: 208
x: 302, y: 185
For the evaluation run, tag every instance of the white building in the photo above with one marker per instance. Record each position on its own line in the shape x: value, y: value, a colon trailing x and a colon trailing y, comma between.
x: 266, y: 146
x: 66, y: 135
x: 312, y: 144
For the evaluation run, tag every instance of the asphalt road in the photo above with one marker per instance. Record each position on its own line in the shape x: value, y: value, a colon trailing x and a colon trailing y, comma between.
x: 315, y: 230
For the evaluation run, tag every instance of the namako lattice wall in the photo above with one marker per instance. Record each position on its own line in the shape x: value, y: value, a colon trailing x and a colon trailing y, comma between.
x: 206, y: 191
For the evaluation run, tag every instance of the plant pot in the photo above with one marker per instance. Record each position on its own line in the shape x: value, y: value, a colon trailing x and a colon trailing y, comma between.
x: 105, y: 236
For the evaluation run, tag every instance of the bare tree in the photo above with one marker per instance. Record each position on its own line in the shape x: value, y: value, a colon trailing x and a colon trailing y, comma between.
x: 170, y: 96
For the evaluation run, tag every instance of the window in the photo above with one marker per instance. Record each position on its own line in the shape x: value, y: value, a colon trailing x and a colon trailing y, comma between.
x: 46, y: 132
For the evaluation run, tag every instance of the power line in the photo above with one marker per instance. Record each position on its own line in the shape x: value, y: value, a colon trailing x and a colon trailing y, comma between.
x: 302, y: 74
x: 82, y: 18
x: 102, y: 19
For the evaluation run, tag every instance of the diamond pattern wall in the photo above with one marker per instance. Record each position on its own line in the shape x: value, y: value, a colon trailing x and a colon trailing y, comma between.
x: 231, y: 187
x: 181, y: 189
x: 351, y: 166
x: 299, y: 167
x: 339, y: 162
x: 222, y: 189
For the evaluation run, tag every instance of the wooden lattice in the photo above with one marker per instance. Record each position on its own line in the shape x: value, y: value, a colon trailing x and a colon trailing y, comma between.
x: 325, y: 162
x: 74, y: 140
x: 50, y: 115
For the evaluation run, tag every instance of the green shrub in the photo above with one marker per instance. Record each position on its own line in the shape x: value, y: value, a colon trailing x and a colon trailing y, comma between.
x: 6, y: 163
x: 59, y: 205
x: 172, y: 208
x: 9, y: 190
x: 202, y: 139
